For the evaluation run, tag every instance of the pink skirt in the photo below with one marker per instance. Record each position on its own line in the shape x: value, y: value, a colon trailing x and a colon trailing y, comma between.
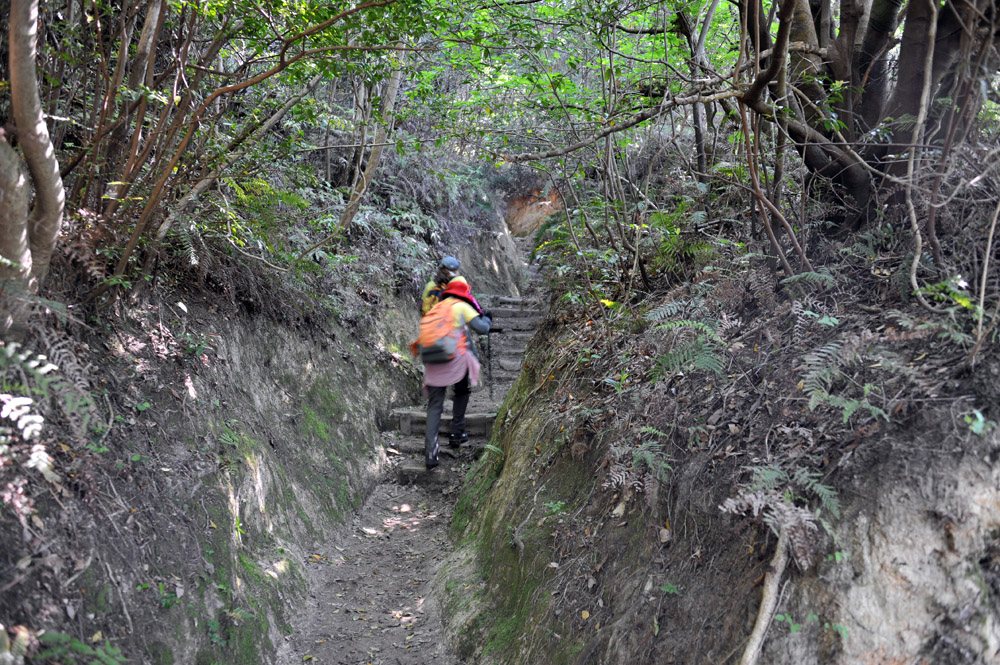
x: 453, y: 371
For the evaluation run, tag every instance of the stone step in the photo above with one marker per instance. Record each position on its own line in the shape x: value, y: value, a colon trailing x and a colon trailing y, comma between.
x: 414, y: 471
x: 519, y: 324
x: 510, y: 364
x: 515, y: 337
x: 503, y: 313
x: 413, y: 446
x: 413, y: 420
x: 515, y: 301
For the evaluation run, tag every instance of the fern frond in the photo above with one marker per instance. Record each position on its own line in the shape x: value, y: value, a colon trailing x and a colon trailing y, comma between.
x: 767, y: 478
x: 666, y: 310
x: 821, y: 277
x: 810, y: 480
x: 704, y: 328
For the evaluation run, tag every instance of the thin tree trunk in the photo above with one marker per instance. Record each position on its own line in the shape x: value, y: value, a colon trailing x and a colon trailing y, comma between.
x: 385, y: 125
x: 205, y: 182
x: 46, y: 216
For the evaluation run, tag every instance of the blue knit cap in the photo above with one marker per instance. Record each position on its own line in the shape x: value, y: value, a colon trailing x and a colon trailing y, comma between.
x: 449, y: 263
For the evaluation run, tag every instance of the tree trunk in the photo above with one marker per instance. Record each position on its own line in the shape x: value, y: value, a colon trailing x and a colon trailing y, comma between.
x: 15, y: 255
x: 913, y: 51
x: 870, y: 74
x: 385, y: 122
x: 45, y: 219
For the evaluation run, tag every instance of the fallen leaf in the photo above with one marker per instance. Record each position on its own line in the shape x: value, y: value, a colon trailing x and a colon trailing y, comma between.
x: 553, y: 565
x: 665, y: 535
x: 619, y: 510
x: 585, y: 615
x: 308, y: 657
x: 591, y: 583
x: 98, y: 636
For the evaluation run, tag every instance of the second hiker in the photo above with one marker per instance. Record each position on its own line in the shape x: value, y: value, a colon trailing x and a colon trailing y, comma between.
x: 449, y: 357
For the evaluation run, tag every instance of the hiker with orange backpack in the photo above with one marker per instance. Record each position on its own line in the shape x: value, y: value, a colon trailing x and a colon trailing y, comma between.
x: 449, y: 358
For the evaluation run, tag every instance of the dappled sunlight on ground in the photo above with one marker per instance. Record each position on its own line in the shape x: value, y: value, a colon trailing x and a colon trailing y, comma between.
x: 278, y: 569
x: 403, y: 518
x: 254, y: 466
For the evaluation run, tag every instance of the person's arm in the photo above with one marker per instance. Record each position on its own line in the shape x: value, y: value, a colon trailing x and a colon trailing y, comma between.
x: 476, y: 321
x: 481, y: 324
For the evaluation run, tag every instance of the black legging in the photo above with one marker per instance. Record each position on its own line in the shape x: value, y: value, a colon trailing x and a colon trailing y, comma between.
x: 435, y: 404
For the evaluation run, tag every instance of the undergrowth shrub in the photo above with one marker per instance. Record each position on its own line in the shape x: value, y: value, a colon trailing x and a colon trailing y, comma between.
x: 29, y: 385
x: 781, y: 498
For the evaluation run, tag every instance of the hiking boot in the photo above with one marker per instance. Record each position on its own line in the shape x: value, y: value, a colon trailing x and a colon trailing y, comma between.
x: 431, y: 454
x: 458, y: 440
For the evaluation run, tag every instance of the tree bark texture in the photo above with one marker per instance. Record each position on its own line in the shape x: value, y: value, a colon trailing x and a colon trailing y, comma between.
x: 45, y: 219
x: 385, y: 121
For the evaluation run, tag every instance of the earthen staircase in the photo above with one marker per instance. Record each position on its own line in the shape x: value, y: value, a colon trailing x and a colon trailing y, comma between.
x: 515, y: 320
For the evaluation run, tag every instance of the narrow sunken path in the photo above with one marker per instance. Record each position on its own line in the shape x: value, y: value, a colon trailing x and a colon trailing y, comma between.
x: 369, y: 600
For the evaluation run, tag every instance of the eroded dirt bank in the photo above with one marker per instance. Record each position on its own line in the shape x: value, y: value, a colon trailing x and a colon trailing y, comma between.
x: 634, y: 515
x: 242, y: 429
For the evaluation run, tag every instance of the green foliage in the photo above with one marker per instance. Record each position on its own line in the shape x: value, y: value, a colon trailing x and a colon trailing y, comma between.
x: 824, y: 370
x: 781, y: 498
x: 822, y: 278
x: 952, y: 291
x: 67, y: 649
x: 977, y: 423
x: 641, y: 467
x: 29, y: 386
x: 554, y: 507
x: 946, y: 327
x: 680, y: 251
x: 672, y: 589
x: 666, y: 310
x: 495, y: 452
x: 702, y: 352
x: 799, y: 481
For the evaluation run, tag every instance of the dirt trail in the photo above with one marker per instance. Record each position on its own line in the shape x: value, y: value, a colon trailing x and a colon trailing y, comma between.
x: 369, y: 598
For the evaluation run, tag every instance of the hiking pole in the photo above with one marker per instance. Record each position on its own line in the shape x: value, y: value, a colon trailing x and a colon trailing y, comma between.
x: 489, y: 358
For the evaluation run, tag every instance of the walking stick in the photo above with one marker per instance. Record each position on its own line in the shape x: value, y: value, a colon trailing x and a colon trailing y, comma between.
x: 489, y: 363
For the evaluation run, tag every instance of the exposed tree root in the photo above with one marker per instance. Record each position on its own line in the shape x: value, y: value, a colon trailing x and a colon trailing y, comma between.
x: 768, y: 602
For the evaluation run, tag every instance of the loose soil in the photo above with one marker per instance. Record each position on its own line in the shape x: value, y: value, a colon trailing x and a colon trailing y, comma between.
x: 369, y: 599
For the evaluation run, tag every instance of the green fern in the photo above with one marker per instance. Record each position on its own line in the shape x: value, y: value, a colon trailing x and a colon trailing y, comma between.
x: 810, y: 481
x: 184, y: 233
x: 24, y: 373
x: 703, y: 328
x: 766, y: 478
x: 823, y: 370
x: 68, y: 649
x: 821, y: 277
x: 666, y: 310
x: 654, y: 431
x: 700, y: 353
x: 796, y: 484
x: 704, y: 352
x: 28, y: 380
x: 652, y: 455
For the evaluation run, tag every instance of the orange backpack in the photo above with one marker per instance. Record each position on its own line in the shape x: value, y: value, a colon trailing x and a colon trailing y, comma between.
x: 439, y: 340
